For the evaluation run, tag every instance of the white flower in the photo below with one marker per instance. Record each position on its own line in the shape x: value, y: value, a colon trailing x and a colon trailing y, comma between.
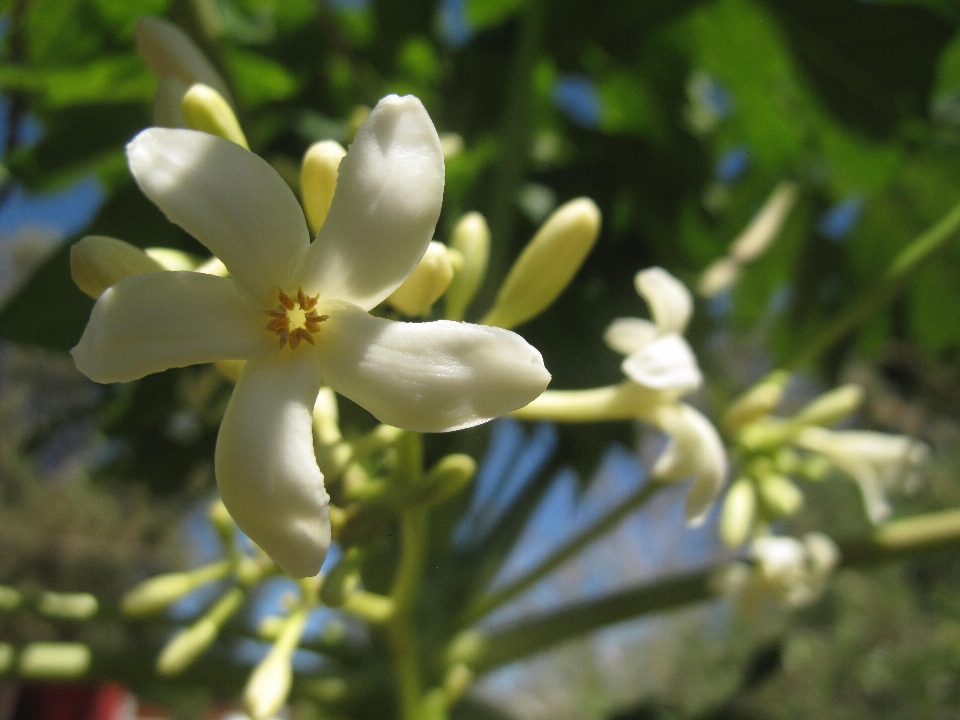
x: 695, y: 448
x: 297, y: 313
x: 795, y: 571
x: 876, y: 461
x: 658, y: 357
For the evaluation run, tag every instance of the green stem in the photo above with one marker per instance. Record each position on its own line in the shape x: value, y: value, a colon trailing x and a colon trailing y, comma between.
x: 600, y: 527
x: 910, y: 537
x: 904, y: 265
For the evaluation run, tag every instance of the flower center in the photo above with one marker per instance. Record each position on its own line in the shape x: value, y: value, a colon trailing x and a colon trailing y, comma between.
x: 295, y: 319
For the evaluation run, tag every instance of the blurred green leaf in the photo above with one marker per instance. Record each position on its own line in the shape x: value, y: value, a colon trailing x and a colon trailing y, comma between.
x: 109, y: 80
x: 260, y: 79
x: 487, y: 13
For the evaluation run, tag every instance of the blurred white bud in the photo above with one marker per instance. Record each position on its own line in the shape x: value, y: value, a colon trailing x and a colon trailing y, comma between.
x: 739, y: 511
x: 98, y: 262
x: 830, y: 407
x: 471, y: 238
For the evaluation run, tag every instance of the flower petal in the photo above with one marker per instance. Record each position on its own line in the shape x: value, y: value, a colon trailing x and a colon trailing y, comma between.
x: 385, y: 209
x: 266, y: 469
x: 156, y: 321
x: 427, y: 377
x: 670, y: 302
x: 628, y: 335
x: 227, y: 198
x: 667, y: 363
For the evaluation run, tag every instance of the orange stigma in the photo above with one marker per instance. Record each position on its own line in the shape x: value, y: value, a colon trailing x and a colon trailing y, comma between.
x: 295, y: 319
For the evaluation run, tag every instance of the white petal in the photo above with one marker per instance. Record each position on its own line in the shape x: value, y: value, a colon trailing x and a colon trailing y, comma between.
x: 627, y: 335
x: 385, y: 209
x: 266, y: 469
x: 667, y: 363
x: 230, y: 200
x: 149, y: 323
x: 170, y: 53
x: 695, y: 449
x: 670, y: 302
x: 427, y: 377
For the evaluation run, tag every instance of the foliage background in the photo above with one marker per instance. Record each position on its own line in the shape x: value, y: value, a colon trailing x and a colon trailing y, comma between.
x: 678, y: 117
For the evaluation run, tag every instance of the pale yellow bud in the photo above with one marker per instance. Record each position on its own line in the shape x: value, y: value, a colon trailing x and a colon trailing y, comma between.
x: 269, y: 684
x: 426, y: 284
x: 781, y: 496
x: 766, y: 225
x: 471, y: 238
x: 451, y: 144
x: 718, y: 276
x: 187, y: 645
x: 831, y: 406
x: 547, y: 265
x: 71, y: 606
x: 760, y: 400
x: 318, y: 180
x: 54, y: 660
x: 739, y: 511
x: 445, y: 479
x: 97, y: 262
x: 205, y: 109
x: 158, y: 592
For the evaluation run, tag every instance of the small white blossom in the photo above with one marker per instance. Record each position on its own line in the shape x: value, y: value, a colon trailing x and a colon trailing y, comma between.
x: 658, y: 357
x: 877, y: 461
x: 296, y: 312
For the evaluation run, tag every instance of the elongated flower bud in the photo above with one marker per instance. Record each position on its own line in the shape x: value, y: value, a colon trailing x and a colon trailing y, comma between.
x: 170, y: 53
x: 831, y: 406
x: 54, y: 660
x: 426, y: 284
x: 318, y: 180
x: 781, y: 496
x: 269, y: 684
x: 445, y: 479
x: 205, y: 109
x: 69, y: 606
x: 739, y: 511
x: 547, y: 265
x: 765, y: 226
x: 97, y: 262
x: 762, y: 399
x: 187, y: 645
x: 158, y: 592
x: 471, y: 237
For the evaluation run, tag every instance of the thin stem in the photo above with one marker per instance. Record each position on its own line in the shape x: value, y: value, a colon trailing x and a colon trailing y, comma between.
x: 904, y: 265
x: 910, y: 537
x: 601, y: 526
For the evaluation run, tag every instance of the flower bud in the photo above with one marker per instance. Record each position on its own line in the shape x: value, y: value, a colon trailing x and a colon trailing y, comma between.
x: 318, y: 180
x: 343, y: 580
x: 445, y: 479
x: 781, y: 496
x: 831, y: 406
x: 205, y: 109
x: 158, y: 592
x: 766, y: 225
x: 762, y: 399
x: 187, y: 645
x: 718, y: 276
x: 170, y: 259
x: 547, y: 265
x: 54, y: 660
x: 69, y: 606
x: 426, y: 284
x: 739, y: 510
x: 97, y: 262
x: 471, y: 238
x: 269, y: 684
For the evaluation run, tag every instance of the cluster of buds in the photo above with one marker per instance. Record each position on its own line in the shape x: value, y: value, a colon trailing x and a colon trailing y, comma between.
x: 774, y: 453
x: 788, y: 570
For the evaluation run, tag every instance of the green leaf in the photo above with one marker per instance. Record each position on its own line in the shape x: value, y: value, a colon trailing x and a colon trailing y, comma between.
x: 487, y: 13
x: 110, y: 80
x: 44, y: 22
x: 260, y: 79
